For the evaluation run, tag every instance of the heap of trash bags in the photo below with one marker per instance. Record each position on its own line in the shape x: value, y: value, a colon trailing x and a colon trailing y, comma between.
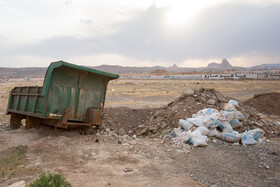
x: 210, y: 122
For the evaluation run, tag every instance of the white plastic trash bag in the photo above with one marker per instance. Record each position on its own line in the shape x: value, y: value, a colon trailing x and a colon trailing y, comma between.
x: 235, y: 123
x: 197, y: 139
x: 257, y: 133
x: 231, y: 136
x: 184, y: 137
x: 176, y: 132
x: 229, y: 115
x: 239, y: 116
x: 212, y: 123
x: 184, y: 124
x: 233, y: 102
x: 251, y: 136
x: 214, y: 133
x: 248, y: 139
x: 229, y: 107
x: 203, y: 130
x: 206, y: 112
x: 225, y: 127
x: 196, y: 121
x: 219, y: 116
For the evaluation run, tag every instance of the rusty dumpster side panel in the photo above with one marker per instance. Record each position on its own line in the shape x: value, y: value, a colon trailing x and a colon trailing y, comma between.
x: 26, y: 100
x: 76, y: 89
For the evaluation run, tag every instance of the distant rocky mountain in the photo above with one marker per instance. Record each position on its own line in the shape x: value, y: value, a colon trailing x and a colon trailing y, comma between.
x: 127, y: 69
x: 224, y: 65
x: 22, y: 72
x: 266, y: 66
x: 212, y: 67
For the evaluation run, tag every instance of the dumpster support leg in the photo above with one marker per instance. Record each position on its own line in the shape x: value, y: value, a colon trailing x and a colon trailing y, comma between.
x: 66, y: 116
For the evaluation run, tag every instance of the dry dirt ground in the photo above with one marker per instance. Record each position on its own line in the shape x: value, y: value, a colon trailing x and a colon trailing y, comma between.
x: 155, y: 93
x: 110, y: 158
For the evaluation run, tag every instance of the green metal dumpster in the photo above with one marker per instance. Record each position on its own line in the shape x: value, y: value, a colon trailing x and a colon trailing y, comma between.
x: 71, y: 96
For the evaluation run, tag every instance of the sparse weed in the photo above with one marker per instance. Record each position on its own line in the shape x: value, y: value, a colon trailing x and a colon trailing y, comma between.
x: 50, y: 180
x: 162, y: 134
x: 9, y: 165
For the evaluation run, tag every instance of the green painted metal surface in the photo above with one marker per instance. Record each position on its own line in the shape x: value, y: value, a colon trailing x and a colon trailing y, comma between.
x: 65, y: 85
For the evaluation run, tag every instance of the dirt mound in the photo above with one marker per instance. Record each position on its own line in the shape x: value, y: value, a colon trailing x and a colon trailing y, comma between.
x: 268, y: 103
x: 160, y: 121
x: 123, y: 120
x: 190, y: 102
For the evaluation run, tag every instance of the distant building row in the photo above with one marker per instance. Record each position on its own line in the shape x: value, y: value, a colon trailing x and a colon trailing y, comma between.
x: 274, y: 74
x: 268, y: 74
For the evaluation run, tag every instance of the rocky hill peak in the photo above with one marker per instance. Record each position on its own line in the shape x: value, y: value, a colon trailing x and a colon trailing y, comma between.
x: 223, y: 65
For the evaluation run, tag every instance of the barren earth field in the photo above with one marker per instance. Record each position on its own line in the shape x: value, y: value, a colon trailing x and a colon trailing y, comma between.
x: 111, y: 158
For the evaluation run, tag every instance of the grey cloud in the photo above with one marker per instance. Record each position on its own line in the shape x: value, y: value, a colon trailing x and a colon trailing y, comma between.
x: 68, y: 2
x: 226, y: 30
x: 85, y: 21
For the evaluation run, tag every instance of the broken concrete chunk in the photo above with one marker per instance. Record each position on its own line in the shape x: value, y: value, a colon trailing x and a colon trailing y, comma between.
x: 18, y: 184
x: 141, y: 129
x: 153, y: 129
x: 163, y: 125
x: 188, y: 92
x: 211, y: 102
x: 221, y: 98
x: 121, y: 132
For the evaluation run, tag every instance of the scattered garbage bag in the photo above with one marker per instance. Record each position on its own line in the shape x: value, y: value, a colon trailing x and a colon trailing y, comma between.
x: 229, y: 115
x: 184, y: 124
x: 219, y: 116
x: 184, y: 137
x: 212, y: 123
x: 233, y: 102
x: 203, y: 130
x: 235, y: 123
x: 251, y: 136
x: 248, y: 139
x: 225, y: 127
x: 229, y: 107
x: 206, y: 112
x: 228, y: 127
x: 206, y: 122
x: 196, y: 121
x: 257, y: 133
x: 197, y: 139
x: 168, y: 138
x: 172, y: 134
x: 214, y: 133
x: 239, y: 116
x: 231, y: 136
x: 176, y: 132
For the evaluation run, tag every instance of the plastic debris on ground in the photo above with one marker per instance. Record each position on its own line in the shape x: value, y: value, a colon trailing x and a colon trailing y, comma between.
x: 213, y: 123
x: 251, y: 136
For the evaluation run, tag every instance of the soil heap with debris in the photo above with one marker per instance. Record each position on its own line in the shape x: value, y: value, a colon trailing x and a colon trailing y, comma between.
x: 268, y: 103
x: 122, y: 120
x: 192, y: 101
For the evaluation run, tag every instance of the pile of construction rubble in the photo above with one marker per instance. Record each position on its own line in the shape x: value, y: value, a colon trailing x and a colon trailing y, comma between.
x: 213, y: 123
x: 197, y: 102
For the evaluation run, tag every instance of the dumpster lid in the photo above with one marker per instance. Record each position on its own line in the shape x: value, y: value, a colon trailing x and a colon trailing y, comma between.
x: 57, y: 64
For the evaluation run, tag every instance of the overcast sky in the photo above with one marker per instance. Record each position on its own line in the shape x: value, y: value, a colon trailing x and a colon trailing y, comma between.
x: 139, y: 33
